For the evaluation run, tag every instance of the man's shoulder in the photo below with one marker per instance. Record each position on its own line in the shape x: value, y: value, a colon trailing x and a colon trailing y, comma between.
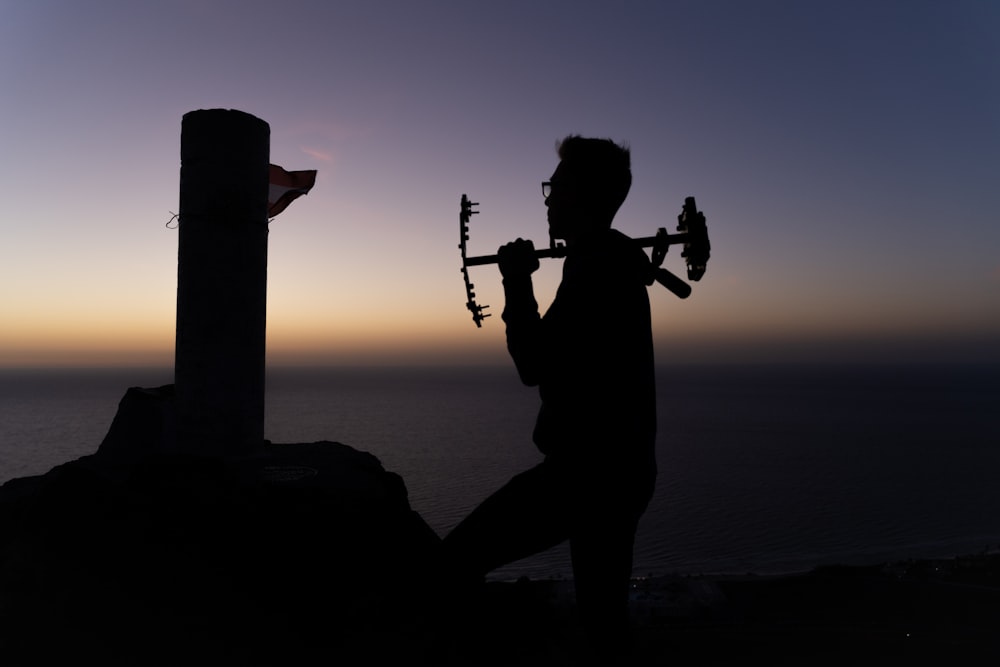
x: 613, y: 258
x: 625, y: 249
x: 609, y: 241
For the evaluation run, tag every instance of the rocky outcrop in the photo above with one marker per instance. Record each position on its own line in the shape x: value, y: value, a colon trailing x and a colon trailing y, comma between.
x: 141, y: 554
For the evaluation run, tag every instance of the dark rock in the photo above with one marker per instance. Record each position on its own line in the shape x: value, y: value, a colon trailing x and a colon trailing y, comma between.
x: 143, y: 555
x: 144, y: 424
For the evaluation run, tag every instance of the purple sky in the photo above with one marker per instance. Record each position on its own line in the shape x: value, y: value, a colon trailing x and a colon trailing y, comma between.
x: 845, y: 154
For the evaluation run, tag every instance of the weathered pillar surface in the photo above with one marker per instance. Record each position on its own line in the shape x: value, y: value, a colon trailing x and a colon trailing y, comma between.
x: 221, y: 282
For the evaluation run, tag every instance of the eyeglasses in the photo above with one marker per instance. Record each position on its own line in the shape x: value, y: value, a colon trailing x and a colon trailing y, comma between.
x: 547, y: 189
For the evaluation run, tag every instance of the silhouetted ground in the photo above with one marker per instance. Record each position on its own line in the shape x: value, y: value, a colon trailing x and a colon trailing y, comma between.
x: 310, y: 554
x: 921, y: 612
x: 238, y: 578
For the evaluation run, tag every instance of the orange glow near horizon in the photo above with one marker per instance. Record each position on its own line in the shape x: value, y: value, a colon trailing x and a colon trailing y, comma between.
x: 91, y: 345
x: 723, y: 321
x: 321, y: 315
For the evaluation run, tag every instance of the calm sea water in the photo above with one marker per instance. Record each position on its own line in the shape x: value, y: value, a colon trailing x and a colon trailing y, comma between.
x: 762, y: 469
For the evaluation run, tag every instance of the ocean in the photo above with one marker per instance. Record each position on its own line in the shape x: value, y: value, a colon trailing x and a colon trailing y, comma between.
x: 763, y: 469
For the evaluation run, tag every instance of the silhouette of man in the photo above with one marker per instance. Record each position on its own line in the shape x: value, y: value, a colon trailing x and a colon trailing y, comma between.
x: 591, y: 357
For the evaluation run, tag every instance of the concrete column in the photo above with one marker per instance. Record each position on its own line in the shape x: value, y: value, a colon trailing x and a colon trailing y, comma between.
x: 221, y: 282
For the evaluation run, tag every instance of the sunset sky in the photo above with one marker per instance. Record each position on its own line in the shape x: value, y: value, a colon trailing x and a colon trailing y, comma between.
x: 846, y: 155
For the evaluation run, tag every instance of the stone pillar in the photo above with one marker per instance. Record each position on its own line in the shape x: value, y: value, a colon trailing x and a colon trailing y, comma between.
x: 221, y: 282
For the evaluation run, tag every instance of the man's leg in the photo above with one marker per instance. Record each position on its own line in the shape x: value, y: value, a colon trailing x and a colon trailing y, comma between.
x: 602, y: 571
x: 601, y: 548
x: 526, y: 516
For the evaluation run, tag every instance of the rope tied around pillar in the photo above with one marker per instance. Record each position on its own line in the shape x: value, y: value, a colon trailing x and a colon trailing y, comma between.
x: 175, y: 220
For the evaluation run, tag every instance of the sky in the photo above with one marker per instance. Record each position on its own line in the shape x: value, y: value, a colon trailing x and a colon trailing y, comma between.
x: 845, y: 154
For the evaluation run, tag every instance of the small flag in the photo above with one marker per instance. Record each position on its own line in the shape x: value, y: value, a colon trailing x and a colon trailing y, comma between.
x: 285, y: 186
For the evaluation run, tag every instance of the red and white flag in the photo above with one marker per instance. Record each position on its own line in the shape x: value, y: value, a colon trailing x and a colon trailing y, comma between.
x: 285, y: 186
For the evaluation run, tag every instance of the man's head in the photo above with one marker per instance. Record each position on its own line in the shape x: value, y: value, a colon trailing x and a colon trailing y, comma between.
x: 588, y: 186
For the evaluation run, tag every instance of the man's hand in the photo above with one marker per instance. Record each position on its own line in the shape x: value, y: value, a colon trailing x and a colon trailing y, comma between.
x: 517, y: 259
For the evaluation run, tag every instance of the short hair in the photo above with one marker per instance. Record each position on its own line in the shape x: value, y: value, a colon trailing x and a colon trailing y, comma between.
x: 605, y: 166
